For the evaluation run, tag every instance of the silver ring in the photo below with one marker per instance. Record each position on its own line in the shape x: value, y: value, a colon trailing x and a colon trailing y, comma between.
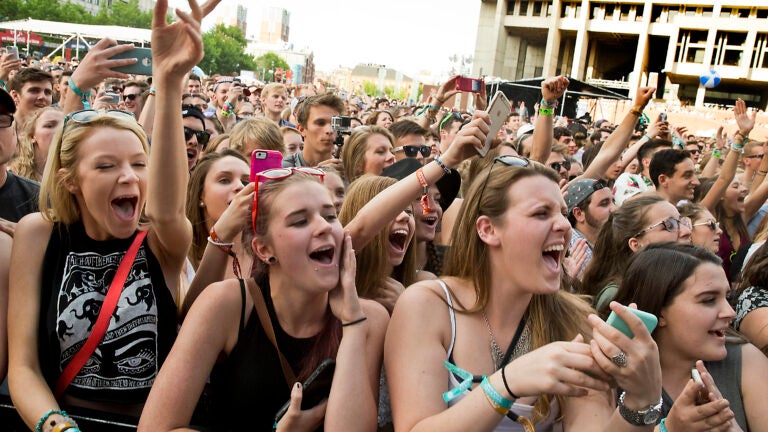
x: 620, y: 359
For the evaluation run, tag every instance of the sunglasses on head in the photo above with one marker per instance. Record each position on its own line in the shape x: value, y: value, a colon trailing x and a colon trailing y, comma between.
x: 669, y: 224
x: 709, y: 224
x: 86, y: 116
x: 130, y: 97
x: 278, y: 174
x: 445, y: 119
x: 508, y: 160
x: 202, y: 136
x: 557, y: 165
x: 6, y: 120
x: 412, y: 151
x: 757, y: 156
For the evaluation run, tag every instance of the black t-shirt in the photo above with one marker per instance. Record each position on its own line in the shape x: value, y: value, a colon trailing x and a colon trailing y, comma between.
x: 18, y: 197
x: 77, y: 272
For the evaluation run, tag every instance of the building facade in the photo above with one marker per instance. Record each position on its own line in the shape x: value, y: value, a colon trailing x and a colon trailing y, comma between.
x: 625, y: 44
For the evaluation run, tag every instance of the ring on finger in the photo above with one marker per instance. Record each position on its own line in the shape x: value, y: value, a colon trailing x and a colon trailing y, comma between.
x: 620, y: 359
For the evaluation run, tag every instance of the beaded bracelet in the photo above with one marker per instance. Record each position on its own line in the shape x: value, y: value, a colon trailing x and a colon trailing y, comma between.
x: 552, y: 104
x: 83, y: 95
x: 39, y: 427
x: 228, y: 109
x: 213, y: 239
x: 442, y: 165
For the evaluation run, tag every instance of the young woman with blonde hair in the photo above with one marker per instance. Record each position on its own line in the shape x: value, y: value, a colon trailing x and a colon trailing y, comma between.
x: 35, y: 142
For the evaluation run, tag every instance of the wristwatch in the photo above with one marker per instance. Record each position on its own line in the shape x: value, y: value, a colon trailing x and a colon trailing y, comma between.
x: 648, y: 416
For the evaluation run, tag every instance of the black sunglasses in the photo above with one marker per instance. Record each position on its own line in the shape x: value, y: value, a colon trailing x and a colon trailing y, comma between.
x: 202, y: 136
x: 557, y: 165
x: 757, y: 156
x: 412, y: 151
x: 130, y: 97
x: 507, y: 160
x: 6, y: 120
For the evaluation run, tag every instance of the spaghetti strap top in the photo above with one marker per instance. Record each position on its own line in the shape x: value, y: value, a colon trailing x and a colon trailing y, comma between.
x: 506, y: 425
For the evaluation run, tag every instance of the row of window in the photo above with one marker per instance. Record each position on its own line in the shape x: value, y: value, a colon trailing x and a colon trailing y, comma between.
x: 728, y: 49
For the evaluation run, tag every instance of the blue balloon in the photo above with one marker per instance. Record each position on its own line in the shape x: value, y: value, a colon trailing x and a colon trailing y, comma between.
x: 710, y: 79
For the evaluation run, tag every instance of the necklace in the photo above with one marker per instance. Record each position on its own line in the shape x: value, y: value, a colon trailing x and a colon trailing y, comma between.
x: 496, y: 353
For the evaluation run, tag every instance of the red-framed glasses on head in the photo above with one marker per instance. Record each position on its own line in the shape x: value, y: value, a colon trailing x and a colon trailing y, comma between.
x: 278, y: 174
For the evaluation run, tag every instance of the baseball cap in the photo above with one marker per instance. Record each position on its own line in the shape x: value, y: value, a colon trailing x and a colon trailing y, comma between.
x: 580, y: 190
x: 192, y: 111
x: 6, y: 102
x: 524, y: 129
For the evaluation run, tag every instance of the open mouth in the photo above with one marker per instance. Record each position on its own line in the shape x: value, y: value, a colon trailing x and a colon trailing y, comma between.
x: 125, y: 207
x: 192, y: 153
x: 323, y: 255
x: 398, y: 239
x: 552, y: 256
x: 718, y: 333
x: 429, y: 220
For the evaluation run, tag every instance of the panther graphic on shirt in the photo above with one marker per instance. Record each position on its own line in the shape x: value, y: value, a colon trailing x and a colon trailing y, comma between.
x: 126, y: 358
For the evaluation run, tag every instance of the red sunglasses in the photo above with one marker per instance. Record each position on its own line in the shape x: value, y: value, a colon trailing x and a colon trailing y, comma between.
x: 278, y: 174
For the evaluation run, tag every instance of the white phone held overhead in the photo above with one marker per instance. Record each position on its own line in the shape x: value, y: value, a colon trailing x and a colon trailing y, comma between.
x: 499, y: 111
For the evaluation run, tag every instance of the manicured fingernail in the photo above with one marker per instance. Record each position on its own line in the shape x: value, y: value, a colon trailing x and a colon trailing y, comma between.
x: 298, y: 385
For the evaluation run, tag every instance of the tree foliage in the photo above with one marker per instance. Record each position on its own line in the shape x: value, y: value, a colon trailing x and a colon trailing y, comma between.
x: 225, y: 51
x: 270, y: 61
x: 120, y: 13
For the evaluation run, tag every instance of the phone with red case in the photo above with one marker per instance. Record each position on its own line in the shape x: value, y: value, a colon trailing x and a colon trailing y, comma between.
x: 474, y: 85
x: 262, y: 160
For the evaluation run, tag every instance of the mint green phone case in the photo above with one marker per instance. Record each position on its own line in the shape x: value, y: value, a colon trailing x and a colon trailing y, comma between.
x: 648, y: 319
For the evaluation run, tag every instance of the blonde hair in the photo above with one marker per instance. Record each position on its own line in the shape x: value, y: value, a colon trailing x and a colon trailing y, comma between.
x: 24, y: 164
x: 491, y: 199
x: 256, y: 133
x: 353, y: 153
x: 372, y: 259
x: 56, y: 203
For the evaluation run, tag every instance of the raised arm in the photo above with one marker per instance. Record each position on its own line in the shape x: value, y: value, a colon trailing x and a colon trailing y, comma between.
x: 393, y: 200
x: 552, y: 90
x: 176, y: 48
x: 617, y: 141
x: 711, y: 168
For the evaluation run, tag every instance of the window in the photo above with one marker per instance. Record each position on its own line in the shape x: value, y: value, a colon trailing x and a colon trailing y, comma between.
x: 691, y: 45
x: 760, y: 55
x: 523, y: 8
x: 729, y: 48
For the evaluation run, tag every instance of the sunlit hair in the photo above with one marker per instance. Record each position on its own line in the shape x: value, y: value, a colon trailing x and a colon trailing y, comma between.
x: 329, y: 100
x: 195, y: 212
x: 24, y: 164
x: 56, y: 203
x: 612, y: 251
x: 374, y: 117
x: 571, y: 311
x: 691, y: 210
x: 214, y: 143
x: 328, y: 339
x: 373, y: 259
x: 353, y: 153
x: 256, y: 133
x: 657, y: 274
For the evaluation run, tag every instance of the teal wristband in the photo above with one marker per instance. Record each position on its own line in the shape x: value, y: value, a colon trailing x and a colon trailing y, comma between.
x: 495, y: 396
x: 83, y: 95
x: 39, y: 427
x: 2, y: 84
x: 548, y: 104
x: 663, y: 426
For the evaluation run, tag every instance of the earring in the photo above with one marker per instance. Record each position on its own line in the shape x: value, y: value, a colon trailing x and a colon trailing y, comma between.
x: 271, y: 260
x: 202, y: 204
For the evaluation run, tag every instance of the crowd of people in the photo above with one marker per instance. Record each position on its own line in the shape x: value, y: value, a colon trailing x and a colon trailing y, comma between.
x: 371, y: 271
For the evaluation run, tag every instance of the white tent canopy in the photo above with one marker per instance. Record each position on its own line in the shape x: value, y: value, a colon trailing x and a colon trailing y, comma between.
x: 82, y: 32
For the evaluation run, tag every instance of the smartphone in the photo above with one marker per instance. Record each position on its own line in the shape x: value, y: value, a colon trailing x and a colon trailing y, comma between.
x: 13, y: 52
x: 474, y: 85
x: 663, y: 117
x: 499, y: 111
x: 143, y: 65
x: 262, y: 160
x: 648, y: 319
x: 316, y: 388
x: 114, y: 98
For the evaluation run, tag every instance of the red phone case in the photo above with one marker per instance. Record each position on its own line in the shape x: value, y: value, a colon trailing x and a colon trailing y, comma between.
x: 474, y: 85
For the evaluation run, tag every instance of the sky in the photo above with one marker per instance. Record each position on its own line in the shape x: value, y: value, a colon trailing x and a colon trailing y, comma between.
x: 408, y: 35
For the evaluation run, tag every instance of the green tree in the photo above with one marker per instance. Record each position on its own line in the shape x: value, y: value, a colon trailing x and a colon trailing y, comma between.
x: 124, y: 14
x: 269, y: 62
x: 225, y: 51
x: 370, y: 88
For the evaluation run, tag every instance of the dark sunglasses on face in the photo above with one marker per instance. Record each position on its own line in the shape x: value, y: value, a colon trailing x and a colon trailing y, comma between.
x: 709, y: 224
x: 557, y: 165
x: 6, y: 120
x: 412, y: 151
x: 278, y: 174
x: 202, y: 136
x: 757, y: 156
x: 130, y: 97
x: 694, y: 151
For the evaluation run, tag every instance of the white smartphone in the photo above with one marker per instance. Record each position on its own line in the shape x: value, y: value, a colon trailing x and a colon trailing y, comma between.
x: 13, y: 52
x: 499, y: 111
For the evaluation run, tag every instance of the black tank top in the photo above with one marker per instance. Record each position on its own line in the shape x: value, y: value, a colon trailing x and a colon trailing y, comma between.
x: 76, y: 275
x: 248, y: 387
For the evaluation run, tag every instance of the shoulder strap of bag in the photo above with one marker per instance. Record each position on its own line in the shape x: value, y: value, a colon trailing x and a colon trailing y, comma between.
x: 102, y: 322
x: 266, y: 323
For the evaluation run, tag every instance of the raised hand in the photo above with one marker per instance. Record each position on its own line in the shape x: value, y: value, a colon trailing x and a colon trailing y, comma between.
x: 470, y: 137
x: 552, y: 89
x: 7, y: 65
x: 237, y: 214
x: 745, y: 122
x: 644, y: 94
x: 446, y: 90
x: 97, y: 65
x: 389, y: 293
x: 343, y: 299
x: 177, y: 47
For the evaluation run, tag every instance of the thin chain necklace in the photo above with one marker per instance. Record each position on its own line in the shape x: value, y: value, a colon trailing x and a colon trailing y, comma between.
x: 496, y: 353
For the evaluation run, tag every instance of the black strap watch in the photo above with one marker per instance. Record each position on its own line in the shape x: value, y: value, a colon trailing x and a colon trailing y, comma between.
x: 644, y: 417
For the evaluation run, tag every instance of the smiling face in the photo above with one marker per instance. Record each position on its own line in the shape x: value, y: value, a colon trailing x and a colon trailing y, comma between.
x: 305, y: 236
x: 110, y: 182
x: 539, y: 222
x: 33, y: 96
x: 400, y: 234
x: 702, y: 233
x: 682, y: 183
x: 226, y: 177
x: 426, y: 224
x: 658, y: 212
x: 693, y: 325
x: 378, y: 154
x: 194, y: 148
x: 733, y: 200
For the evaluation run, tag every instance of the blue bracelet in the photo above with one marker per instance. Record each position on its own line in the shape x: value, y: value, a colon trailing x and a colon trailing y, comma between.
x: 662, y: 425
x: 497, y: 398
x: 442, y: 165
x: 83, y: 95
x: 39, y: 427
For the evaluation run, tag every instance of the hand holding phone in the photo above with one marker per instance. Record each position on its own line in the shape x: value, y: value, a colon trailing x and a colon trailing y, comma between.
x: 499, y: 112
x: 619, y: 324
x: 13, y: 52
x: 143, y: 65
x: 315, y: 388
x: 262, y: 160
x: 474, y: 85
